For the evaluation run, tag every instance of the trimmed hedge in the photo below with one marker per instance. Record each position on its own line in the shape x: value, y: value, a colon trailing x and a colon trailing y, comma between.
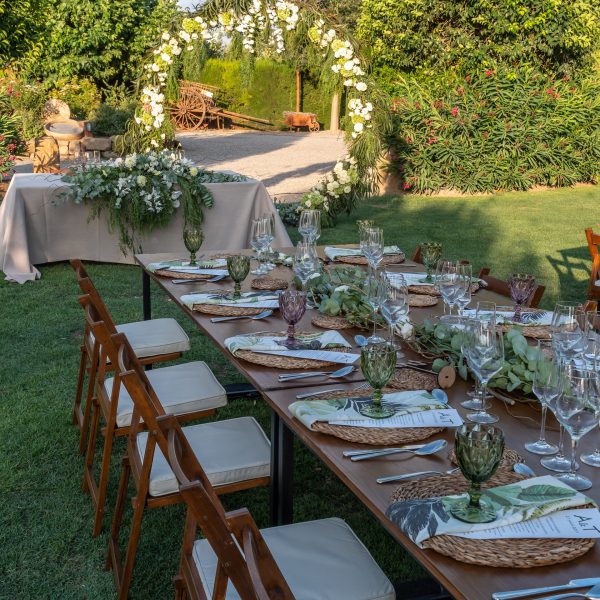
x: 496, y: 130
x: 265, y: 90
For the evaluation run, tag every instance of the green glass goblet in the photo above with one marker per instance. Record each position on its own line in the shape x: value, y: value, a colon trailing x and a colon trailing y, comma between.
x: 192, y: 238
x: 378, y: 363
x: 478, y: 450
x: 238, y: 267
x: 430, y: 253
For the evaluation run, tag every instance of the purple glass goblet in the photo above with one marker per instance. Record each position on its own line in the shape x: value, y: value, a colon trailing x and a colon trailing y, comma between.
x: 292, y: 305
x: 521, y: 286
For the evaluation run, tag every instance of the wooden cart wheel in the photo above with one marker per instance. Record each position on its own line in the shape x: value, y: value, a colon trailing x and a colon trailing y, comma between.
x: 314, y: 126
x: 189, y: 111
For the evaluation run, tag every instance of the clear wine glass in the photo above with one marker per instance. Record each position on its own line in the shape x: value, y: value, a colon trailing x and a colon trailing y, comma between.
x: 270, y: 233
x: 305, y: 262
x: 577, y: 408
x: 373, y: 246
x: 485, y: 356
x: 592, y: 363
x: 546, y: 387
x: 257, y: 241
x: 521, y: 287
x: 395, y: 308
x: 465, y: 272
x: 568, y: 330
x: 309, y: 224
x: 448, y: 281
x: 376, y: 292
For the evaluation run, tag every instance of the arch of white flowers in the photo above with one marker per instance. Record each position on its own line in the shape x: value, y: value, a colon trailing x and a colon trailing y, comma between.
x: 266, y: 22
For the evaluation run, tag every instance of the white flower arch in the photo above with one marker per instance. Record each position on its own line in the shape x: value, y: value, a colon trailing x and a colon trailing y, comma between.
x: 268, y: 19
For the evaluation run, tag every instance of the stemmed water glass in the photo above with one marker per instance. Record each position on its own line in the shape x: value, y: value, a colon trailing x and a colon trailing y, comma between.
x: 309, y: 225
x: 238, y: 267
x: 305, y: 262
x: 192, y: 238
x: 484, y: 351
x: 546, y: 387
x: 521, y: 286
x: 259, y: 241
x: 568, y: 330
x: 372, y: 246
x: 465, y: 273
x: 431, y: 253
x: 577, y: 407
x: 270, y: 236
x: 478, y: 449
x: 394, y: 308
x: 448, y: 282
x: 378, y: 364
x: 375, y: 292
x: 292, y: 306
x: 592, y: 363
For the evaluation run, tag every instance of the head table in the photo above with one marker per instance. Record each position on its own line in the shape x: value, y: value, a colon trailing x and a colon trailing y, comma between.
x: 38, y: 227
x: 520, y: 423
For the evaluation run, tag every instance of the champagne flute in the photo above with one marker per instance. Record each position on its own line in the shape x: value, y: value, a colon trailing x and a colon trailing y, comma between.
x: 192, y: 238
x: 292, y: 306
x: 478, y: 449
x: 376, y: 291
x: 485, y: 355
x: 521, y: 287
x: 577, y: 408
x: 238, y: 267
x: 378, y: 364
x: 546, y: 387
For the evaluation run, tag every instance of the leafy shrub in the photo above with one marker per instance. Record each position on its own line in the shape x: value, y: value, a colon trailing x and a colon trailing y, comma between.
x: 429, y: 36
x: 111, y: 117
x: 20, y: 24
x: 11, y: 143
x: 81, y: 95
x: 27, y: 101
x: 288, y: 211
x: 496, y: 130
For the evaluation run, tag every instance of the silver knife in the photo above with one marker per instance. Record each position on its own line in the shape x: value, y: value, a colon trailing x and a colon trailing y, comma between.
x: 348, y: 453
x: 309, y: 394
x: 573, y: 584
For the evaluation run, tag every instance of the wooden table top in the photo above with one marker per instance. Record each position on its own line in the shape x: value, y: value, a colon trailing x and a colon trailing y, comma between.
x: 520, y: 423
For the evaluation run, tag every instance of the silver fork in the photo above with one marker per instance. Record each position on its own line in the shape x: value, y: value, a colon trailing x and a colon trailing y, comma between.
x: 417, y: 474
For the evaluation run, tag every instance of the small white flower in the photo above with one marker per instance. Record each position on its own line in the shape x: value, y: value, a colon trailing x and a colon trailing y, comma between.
x: 193, y: 171
x: 406, y: 330
x: 347, y: 189
x: 358, y: 127
x: 166, y: 37
x: 141, y: 180
x: 361, y: 86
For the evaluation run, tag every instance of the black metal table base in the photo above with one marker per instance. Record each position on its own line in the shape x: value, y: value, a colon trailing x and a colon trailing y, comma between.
x: 282, y: 472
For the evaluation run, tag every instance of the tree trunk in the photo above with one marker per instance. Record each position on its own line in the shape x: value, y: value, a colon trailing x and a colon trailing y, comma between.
x: 298, y: 89
x: 334, y: 124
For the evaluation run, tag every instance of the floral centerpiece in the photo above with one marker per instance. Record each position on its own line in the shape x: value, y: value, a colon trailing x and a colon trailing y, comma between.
x: 334, y: 193
x: 142, y: 191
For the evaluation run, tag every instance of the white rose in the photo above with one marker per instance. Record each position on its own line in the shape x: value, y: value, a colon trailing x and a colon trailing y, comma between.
x: 141, y: 180
x: 155, y: 67
x: 358, y: 127
x: 347, y: 189
x: 349, y: 82
x: 406, y: 330
x: 193, y: 171
x: 308, y: 204
x: 361, y: 86
x: 348, y: 65
x: 166, y: 37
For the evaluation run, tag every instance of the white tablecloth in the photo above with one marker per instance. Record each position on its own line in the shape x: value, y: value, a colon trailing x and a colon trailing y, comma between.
x: 38, y: 227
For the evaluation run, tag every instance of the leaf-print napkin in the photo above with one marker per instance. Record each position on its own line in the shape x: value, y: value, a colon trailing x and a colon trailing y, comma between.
x: 266, y: 343
x: 528, y: 317
x: 183, y: 266
x: 521, y: 501
x: 331, y: 252
x: 308, y: 412
x: 247, y: 300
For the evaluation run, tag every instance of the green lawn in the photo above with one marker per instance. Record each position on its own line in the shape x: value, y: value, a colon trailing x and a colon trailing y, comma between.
x: 45, y: 520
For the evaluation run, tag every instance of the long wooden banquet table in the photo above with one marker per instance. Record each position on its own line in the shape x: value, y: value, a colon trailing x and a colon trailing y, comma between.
x: 520, y: 423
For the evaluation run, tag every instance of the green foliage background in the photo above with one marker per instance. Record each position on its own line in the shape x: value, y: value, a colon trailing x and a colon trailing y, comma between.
x: 266, y: 92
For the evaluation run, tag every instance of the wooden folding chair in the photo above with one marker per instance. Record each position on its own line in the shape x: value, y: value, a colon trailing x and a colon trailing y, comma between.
x: 593, y: 240
x: 188, y: 390
x: 155, y: 341
x: 417, y: 256
x: 235, y: 452
x: 501, y: 287
x: 317, y: 559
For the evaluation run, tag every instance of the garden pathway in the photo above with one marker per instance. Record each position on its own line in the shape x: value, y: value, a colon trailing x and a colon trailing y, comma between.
x: 289, y: 164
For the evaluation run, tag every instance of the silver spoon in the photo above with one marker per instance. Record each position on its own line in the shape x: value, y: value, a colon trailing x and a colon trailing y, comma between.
x: 417, y: 474
x: 346, y: 370
x: 263, y: 315
x: 426, y: 450
x: 523, y: 469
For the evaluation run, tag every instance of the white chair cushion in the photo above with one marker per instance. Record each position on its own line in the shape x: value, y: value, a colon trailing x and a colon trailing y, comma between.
x: 181, y: 389
x: 320, y: 560
x: 229, y: 451
x: 154, y: 337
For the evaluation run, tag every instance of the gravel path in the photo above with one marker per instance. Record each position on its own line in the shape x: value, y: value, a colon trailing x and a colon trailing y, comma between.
x: 288, y: 164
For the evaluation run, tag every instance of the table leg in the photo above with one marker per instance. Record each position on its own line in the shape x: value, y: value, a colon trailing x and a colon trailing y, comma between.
x: 282, y: 472
x: 146, y: 298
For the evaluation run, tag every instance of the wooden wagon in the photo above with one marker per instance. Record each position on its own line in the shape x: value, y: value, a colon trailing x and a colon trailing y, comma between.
x: 196, y: 106
x: 301, y: 119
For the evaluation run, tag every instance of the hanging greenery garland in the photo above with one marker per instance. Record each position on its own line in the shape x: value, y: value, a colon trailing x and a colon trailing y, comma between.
x: 278, y: 28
